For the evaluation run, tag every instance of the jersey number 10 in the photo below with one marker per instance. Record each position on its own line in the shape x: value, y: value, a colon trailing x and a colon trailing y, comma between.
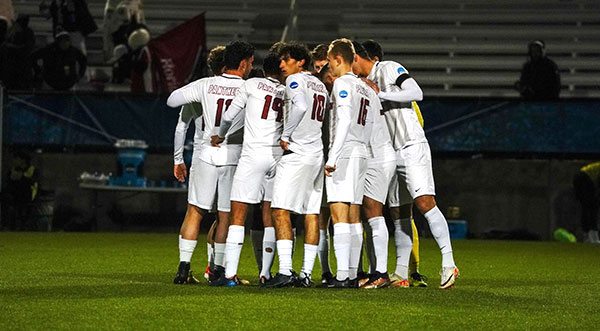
x: 318, y: 107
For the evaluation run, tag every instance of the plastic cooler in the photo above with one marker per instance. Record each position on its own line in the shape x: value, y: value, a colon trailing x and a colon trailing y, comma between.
x: 458, y: 229
x: 131, y: 157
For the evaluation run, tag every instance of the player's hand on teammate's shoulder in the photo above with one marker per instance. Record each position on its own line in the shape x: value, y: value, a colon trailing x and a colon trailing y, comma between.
x: 284, y: 145
x: 180, y: 172
x: 216, y: 140
x: 371, y: 84
x: 329, y: 170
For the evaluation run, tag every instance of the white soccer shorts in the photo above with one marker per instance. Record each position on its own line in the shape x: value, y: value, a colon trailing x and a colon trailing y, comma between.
x: 378, y: 179
x: 210, y: 183
x: 298, y: 184
x: 253, y: 180
x: 414, y: 175
x: 347, y: 183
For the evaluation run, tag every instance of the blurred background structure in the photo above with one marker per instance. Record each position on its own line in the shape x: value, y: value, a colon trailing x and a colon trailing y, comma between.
x: 507, y: 163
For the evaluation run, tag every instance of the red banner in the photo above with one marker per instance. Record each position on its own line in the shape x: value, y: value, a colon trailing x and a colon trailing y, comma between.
x: 176, y: 53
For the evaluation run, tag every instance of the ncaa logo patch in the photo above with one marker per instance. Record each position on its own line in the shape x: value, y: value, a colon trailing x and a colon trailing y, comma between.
x: 293, y: 85
x: 401, y: 70
x: 343, y: 94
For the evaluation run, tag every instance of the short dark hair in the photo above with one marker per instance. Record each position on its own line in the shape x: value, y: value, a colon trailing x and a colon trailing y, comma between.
x: 321, y: 74
x: 276, y: 47
x: 256, y: 72
x: 296, y: 51
x: 215, y: 59
x: 319, y: 53
x: 235, y: 52
x: 373, y: 49
x: 271, y: 65
x: 360, y: 50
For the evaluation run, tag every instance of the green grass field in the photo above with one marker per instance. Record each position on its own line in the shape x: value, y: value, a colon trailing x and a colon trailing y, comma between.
x: 124, y: 281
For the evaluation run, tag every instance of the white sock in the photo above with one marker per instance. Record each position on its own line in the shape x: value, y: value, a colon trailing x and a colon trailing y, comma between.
x: 284, y: 250
x: 403, y: 241
x: 268, y: 252
x: 186, y: 249
x: 210, y: 253
x: 257, y: 243
x: 220, y: 254
x: 356, y: 240
x: 341, y: 246
x: 380, y: 235
x: 310, y: 254
x: 439, y: 230
x: 233, y: 249
x: 323, y: 249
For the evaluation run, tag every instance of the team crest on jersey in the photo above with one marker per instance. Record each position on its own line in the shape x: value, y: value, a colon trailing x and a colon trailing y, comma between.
x: 343, y: 94
x: 401, y: 70
x: 293, y: 85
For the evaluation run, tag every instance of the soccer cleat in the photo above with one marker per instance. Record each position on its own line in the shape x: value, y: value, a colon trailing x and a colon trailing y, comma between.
x: 326, y: 279
x: 281, y: 280
x: 223, y: 281
x: 335, y: 283
x: 207, y: 273
x: 362, y: 275
x: 184, y: 275
x: 216, y: 273
x: 417, y: 280
x: 377, y: 280
x: 305, y: 282
x: 262, y: 281
x: 397, y: 281
x: 363, y: 279
x: 449, y: 276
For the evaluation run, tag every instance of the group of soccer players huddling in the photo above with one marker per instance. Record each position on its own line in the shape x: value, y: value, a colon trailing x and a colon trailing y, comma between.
x: 261, y: 143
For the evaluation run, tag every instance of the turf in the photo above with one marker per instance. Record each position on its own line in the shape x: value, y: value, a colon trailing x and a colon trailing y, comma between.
x: 124, y: 281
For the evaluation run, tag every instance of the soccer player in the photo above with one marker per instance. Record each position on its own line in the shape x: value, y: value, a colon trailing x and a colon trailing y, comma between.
x: 319, y: 57
x: 398, y: 91
x: 260, y: 102
x: 189, y: 112
x: 350, y: 130
x: 298, y: 183
x: 212, y: 172
x: 381, y: 166
x: 401, y: 214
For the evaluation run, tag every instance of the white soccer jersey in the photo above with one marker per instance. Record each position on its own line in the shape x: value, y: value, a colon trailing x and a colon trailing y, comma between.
x: 352, y: 117
x: 401, y: 118
x: 262, y: 99
x: 380, y: 144
x: 216, y: 94
x: 305, y: 103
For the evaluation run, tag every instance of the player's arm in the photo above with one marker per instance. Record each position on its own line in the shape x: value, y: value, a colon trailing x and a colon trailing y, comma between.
x: 409, y: 89
x: 183, y: 123
x: 342, y: 127
x: 298, y: 108
x: 235, y: 109
x: 184, y: 95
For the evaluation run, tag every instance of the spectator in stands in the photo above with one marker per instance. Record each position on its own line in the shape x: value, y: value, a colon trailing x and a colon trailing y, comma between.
x: 141, y: 74
x: 21, y: 189
x: 15, y: 68
x: 586, y: 184
x: 62, y: 65
x: 540, y: 78
x: 72, y: 16
x: 319, y: 56
x: 116, y: 13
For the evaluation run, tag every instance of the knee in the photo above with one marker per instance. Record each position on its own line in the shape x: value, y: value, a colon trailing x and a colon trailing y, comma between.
x: 425, y: 203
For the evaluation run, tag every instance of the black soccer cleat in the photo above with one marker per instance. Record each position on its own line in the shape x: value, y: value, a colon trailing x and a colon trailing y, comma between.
x: 216, y: 273
x: 281, y: 280
x: 326, y: 279
x: 184, y: 275
x: 335, y: 283
x: 305, y: 282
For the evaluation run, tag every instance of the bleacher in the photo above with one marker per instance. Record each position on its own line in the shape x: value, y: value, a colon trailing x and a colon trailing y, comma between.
x: 463, y: 48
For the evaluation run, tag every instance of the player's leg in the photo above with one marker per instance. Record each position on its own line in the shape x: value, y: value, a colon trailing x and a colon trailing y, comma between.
x: 283, y: 230
x: 235, y: 238
x: 415, y: 277
x: 311, y: 242
x: 356, y: 241
x: 323, y: 247
x: 420, y: 184
x: 342, y: 235
x: 210, y: 249
x: 373, y: 213
x: 257, y: 233
x: 269, y: 242
x: 188, y: 238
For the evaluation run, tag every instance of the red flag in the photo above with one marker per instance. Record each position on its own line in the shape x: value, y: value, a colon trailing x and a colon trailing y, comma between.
x: 176, y: 52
